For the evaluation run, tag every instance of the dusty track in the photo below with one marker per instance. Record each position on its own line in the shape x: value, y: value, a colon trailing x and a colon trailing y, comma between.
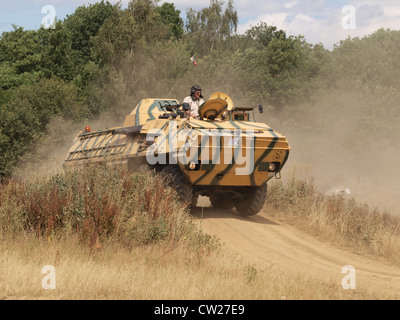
x: 261, y: 240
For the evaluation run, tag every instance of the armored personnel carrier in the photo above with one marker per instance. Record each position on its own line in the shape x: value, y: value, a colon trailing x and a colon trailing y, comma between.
x: 222, y: 154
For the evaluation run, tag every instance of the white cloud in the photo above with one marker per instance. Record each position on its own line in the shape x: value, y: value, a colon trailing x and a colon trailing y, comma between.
x: 275, y: 19
x: 323, y: 24
x: 291, y: 4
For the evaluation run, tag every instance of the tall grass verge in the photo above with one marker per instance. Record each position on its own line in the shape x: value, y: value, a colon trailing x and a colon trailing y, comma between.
x: 335, y: 217
x: 98, y: 204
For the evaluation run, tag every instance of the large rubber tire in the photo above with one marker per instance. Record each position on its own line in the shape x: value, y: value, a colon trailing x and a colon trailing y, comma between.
x: 252, y: 202
x: 220, y: 202
x: 177, y: 181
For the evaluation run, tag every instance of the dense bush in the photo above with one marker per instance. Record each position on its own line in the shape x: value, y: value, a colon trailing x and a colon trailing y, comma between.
x: 97, y: 204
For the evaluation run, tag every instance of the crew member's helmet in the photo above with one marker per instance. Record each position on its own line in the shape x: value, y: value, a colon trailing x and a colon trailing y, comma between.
x: 194, y: 89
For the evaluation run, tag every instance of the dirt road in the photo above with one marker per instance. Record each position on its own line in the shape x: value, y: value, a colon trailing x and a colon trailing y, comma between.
x: 261, y: 240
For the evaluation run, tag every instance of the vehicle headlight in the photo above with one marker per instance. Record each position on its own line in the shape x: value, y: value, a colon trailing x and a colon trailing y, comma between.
x: 192, y: 166
x: 274, y: 166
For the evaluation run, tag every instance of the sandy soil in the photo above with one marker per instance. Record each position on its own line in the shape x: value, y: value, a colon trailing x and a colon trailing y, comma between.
x: 259, y: 239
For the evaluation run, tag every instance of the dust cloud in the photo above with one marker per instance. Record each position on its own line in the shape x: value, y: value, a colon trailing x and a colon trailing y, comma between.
x: 346, y: 148
x: 50, y: 152
x: 346, y: 140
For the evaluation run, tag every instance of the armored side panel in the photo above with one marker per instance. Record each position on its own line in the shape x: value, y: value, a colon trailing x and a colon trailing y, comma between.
x: 221, y: 155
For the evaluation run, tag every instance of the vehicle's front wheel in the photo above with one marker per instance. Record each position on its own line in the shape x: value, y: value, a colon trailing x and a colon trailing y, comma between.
x: 252, y: 201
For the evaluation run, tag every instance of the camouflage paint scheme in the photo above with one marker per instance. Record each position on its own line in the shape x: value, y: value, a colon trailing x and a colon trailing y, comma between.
x: 128, y: 145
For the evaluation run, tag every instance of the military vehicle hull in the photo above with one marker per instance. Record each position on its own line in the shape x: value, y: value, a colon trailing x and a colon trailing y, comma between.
x: 228, y: 160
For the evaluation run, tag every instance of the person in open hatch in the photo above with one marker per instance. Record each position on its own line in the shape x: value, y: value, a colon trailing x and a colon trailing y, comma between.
x: 195, y: 100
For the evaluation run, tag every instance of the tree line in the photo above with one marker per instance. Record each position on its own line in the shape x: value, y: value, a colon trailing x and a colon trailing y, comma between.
x: 106, y: 58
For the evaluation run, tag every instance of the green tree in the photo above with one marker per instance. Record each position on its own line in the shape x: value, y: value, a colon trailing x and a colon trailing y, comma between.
x: 171, y: 18
x: 83, y: 25
x: 208, y: 28
x: 152, y: 22
x: 372, y: 60
x: 56, y: 58
x: 20, y: 58
x: 274, y: 68
x: 263, y: 33
x: 117, y: 37
x: 23, y: 119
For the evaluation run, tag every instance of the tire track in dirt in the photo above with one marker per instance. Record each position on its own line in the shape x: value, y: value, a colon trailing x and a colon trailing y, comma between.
x: 261, y: 240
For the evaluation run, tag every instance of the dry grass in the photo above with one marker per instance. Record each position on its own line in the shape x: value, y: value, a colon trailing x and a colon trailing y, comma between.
x: 151, y: 272
x: 113, y: 235
x: 336, y: 218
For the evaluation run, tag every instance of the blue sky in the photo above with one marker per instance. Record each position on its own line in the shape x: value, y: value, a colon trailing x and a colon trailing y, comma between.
x: 324, y: 21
